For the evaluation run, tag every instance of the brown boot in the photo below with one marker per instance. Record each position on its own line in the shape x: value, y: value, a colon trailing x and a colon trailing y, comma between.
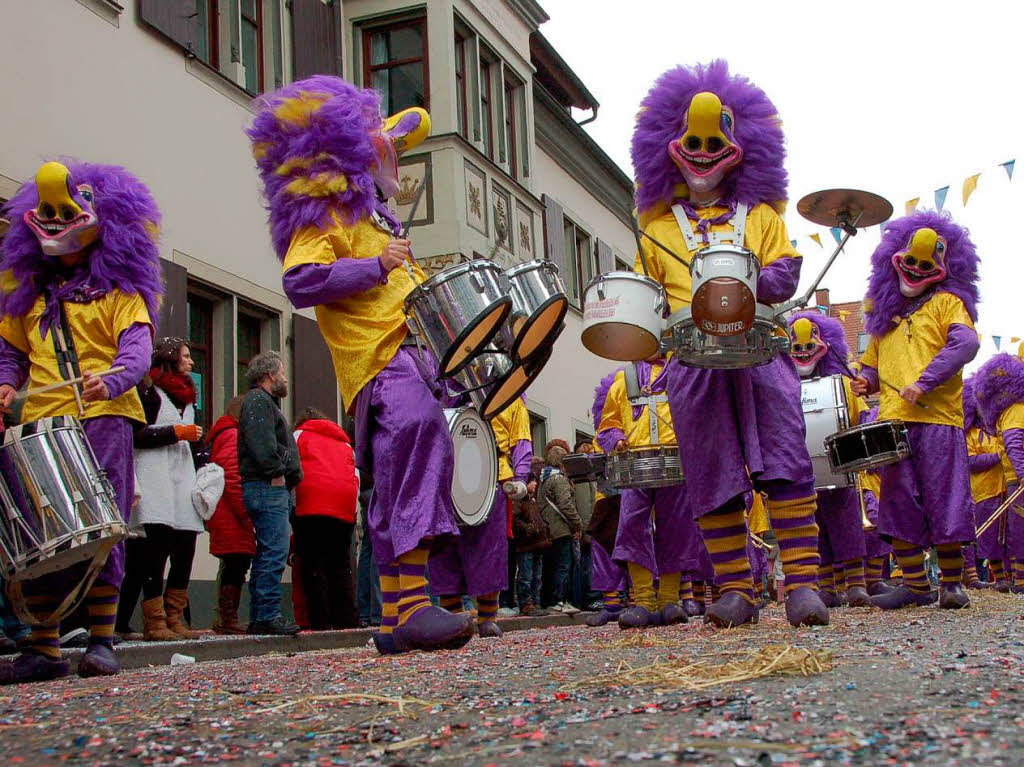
x: 175, y: 600
x: 229, y: 598
x: 155, y: 621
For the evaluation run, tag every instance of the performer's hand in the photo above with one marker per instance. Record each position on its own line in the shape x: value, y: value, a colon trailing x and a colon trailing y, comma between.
x: 912, y: 394
x: 7, y: 394
x: 859, y: 386
x: 394, y: 254
x: 620, y: 446
x: 93, y: 388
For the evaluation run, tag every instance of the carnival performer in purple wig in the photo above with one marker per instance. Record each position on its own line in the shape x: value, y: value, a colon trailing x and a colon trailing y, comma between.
x: 988, y: 484
x: 876, y: 548
x: 999, y: 386
x: 81, y: 260
x: 818, y: 348
x: 657, y: 538
x: 920, y: 313
x: 328, y: 162
x: 476, y: 563
x: 708, y: 157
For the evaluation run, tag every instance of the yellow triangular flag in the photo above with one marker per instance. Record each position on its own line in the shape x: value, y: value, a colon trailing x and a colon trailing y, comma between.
x: 970, y: 184
x: 1015, y: 339
x: 980, y: 337
x: 817, y: 239
x: 912, y: 205
x: 843, y: 314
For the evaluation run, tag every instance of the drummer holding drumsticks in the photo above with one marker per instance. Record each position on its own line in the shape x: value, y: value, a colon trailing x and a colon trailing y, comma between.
x: 83, y: 281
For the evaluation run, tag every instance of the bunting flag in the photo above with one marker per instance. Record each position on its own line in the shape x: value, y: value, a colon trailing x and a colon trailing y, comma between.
x: 817, y: 239
x: 940, y: 197
x: 1015, y: 339
x: 793, y: 243
x: 843, y: 314
x: 1008, y: 167
x: 912, y: 205
x: 970, y: 184
x: 996, y: 340
x: 837, y: 234
x: 881, y: 227
x: 981, y: 337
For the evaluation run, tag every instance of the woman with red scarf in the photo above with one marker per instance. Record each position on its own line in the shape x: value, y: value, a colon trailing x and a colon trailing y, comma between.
x: 166, y: 455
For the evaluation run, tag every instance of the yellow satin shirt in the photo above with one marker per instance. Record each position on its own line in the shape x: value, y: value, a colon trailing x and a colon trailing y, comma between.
x: 757, y: 517
x: 96, y: 328
x: 903, y: 354
x: 362, y: 331
x: 989, y: 483
x: 511, y: 426
x: 618, y: 414
x: 765, y: 236
x: 871, y: 480
x: 1011, y: 418
x: 854, y: 404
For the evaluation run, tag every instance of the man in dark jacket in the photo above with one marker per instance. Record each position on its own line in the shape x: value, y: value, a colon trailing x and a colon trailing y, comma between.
x: 268, y: 463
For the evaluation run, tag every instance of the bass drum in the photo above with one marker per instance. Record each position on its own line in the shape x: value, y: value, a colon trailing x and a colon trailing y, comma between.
x: 475, y: 478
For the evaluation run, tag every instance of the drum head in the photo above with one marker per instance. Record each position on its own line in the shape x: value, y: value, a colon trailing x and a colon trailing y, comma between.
x: 476, y: 336
x: 620, y: 341
x: 512, y: 385
x: 541, y: 328
x: 476, y: 466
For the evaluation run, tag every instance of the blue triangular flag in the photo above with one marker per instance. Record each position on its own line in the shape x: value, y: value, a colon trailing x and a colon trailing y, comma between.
x: 1008, y: 167
x: 837, y: 234
x: 940, y: 197
x: 996, y: 340
x: 793, y: 243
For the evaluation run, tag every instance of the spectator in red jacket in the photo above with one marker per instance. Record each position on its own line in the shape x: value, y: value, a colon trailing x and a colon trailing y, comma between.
x: 325, y: 515
x: 232, y: 538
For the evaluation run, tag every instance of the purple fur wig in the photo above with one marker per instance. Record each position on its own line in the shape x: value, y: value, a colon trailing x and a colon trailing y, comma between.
x: 601, y: 394
x: 999, y: 384
x: 760, y: 177
x: 320, y: 127
x: 125, y: 256
x: 970, y: 401
x: 831, y: 332
x: 884, y: 302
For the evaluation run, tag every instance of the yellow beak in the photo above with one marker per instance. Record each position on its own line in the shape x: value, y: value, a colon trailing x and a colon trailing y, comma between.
x: 922, y: 244
x: 53, y: 183
x: 802, y: 330
x: 704, y: 118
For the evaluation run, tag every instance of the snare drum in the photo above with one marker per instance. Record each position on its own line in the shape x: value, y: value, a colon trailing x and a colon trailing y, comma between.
x: 58, y: 506
x: 539, y: 304
x: 825, y: 413
x: 723, y: 282
x: 622, y: 316
x: 585, y: 467
x: 474, y: 480
x: 645, y: 467
x: 493, y: 380
x: 869, y: 446
x: 458, y: 311
x: 758, y: 345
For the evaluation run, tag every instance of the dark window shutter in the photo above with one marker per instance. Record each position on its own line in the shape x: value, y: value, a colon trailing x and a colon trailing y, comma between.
x: 314, y: 383
x: 554, y: 236
x: 176, y: 19
x: 605, y: 257
x: 174, y: 310
x: 316, y: 33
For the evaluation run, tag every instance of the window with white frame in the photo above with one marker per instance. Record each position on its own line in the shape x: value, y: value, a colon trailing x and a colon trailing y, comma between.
x: 579, y: 255
x: 621, y: 265
x: 395, y: 63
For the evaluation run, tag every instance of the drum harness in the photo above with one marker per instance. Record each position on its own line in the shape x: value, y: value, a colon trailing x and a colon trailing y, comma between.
x: 738, y: 222
x: 64, y: 350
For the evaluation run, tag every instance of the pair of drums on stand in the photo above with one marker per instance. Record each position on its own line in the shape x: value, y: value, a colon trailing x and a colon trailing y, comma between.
x: 491, y: 330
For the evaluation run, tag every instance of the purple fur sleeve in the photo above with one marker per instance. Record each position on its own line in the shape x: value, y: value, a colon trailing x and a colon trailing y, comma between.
x: 13, y: 365
x: 982, y: 462
x: 609, y: 438
x: 522, y: 456
x: 961, y: 347
x: 311, y: 284
x: 777, y: 281
x: 1013, y: 441
x: 135, y: 354
x: 871, y: 374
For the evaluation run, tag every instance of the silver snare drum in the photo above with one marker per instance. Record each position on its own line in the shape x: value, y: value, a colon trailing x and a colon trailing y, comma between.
x: 458, y: 311
x: 58, y: 506
x: 825, y: 412
x: 622, y: 316
x: 868, y: 446
x: 539, y: 304
x: 474, y: 480
x: 723, y: 282
x: 694, y: 348
x: 493, y: 379
x: 645, y: 467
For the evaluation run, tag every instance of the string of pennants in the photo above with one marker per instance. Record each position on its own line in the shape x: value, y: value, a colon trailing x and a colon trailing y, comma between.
x: 967, y: 189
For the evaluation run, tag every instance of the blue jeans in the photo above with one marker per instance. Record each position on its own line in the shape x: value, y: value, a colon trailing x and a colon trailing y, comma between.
x: 367, y: 580
x: 269, y: 508
x: 559, y: 557
x: 529, y: 577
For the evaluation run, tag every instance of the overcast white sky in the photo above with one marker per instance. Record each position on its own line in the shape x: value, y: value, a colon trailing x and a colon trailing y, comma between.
x: 898, y: 97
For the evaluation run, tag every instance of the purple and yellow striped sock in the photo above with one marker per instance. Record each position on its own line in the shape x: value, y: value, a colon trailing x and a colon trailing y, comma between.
x: 101, y: 605
x: 412, y: 581
x: 839, y: 575
x: 827, y: 579
x: 389, y: 591
x: 725, y: 535
x: 668, y: 589
x: 1018, y: 572
x: 700, y: 591
x: 611, y: 601
x: 44, y: 640
x: 854, y: 573
x: 643, y: 587
x: 487, y: 607
x: 970, y: 575
x: 715, y: 593
x: 797, y: 533
x: 685, y: 590
x: 911, y: 559
x: 996, y: 571
x: 873, y: 570
x: 451, y: 602
x: 951, y: 563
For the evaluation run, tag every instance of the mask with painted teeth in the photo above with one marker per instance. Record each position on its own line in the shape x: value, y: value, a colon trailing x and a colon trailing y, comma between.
x: 922, y: 264
x: 707, y: 149
x: 807, y: 347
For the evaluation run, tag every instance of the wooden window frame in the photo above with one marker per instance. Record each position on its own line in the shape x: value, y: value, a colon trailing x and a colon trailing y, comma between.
x: 511, y: 114
x: 205, y: 347
x: 461, y: 86
x: 575, y: 259
x: 368, y: 69
x: 258, y: 23
x: 487, y: 62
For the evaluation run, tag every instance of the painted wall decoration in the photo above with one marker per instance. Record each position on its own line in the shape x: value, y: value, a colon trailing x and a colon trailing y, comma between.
x: 524, y: 231
x: 411, y: 171
x: 503, y: 220
x: 476, y: 198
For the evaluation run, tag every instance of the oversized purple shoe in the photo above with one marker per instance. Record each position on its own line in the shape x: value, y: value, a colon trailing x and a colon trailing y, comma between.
x: 979, y: 584
x: 31, y: 666
x: 953, y: 597
x: 603, y: 617
x: 804, y: 607
x: 904, y: 596
x: 638, y: 617
x: 731, y: 609
x: 858, y: 597
x: 98, y: 660
x: 434, y: 628
x: 692, y: 607
x: 385, y: 643
x: 672, y: 614
x: 878, y: 588
x: 490, y: 630
x: 830, y: 599
x: 1017, y: 589
x: 1002, y: 586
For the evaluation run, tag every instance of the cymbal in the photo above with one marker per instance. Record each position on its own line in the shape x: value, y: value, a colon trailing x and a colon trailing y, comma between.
x: 836, y: 207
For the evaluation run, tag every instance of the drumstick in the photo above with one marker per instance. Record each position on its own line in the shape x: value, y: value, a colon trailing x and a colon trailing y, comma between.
x: 665, y: 248
x: 62, y: 345
x: 61, y: 384
x: 880, y: 379
x: 412, y: 214
x: 639, y: 245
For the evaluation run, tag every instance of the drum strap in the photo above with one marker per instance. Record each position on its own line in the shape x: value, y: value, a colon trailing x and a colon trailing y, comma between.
x: 67, y: 361
x: 738, y: 223
x: 638, y: 398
